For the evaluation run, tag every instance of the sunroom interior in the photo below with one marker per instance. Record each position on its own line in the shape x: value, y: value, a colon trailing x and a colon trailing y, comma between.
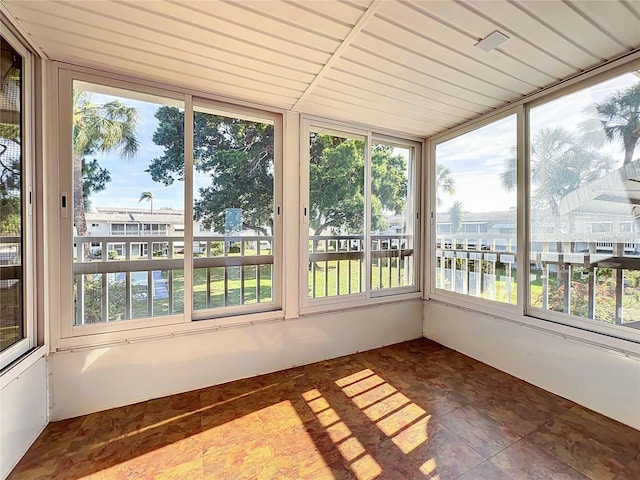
x: 323, y: 178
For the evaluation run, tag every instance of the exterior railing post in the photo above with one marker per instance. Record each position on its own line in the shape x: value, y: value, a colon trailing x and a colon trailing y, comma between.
x: 619, y: 252
x: 591, y: 306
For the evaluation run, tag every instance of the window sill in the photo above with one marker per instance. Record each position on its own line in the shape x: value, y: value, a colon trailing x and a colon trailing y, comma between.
x: 12, y: 371
x: 341, y: 305
x: 150, y: 333
x: 599, y: 339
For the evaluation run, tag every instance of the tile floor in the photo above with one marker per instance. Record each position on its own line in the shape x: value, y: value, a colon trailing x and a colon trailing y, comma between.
x: 414, y: 410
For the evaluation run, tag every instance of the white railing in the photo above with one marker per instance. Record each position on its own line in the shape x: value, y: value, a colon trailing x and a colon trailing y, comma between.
x: 122, y: 277
x: 10, y: 260
x: 589, y: 278
x: 336, y: 263
x: 146, y: 273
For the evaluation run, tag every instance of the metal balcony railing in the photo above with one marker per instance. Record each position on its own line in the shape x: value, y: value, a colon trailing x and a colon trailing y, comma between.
x: 10, y: 260
x: 122, y: 277
x: 146, y: 273
x: 591, y: 278
x: 336, y: 263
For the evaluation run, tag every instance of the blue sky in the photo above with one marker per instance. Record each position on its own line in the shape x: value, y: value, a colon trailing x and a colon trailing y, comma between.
x: 128, y: 178
x: 476, y: 159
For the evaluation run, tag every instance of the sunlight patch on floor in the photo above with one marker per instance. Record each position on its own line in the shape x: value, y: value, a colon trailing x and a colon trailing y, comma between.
x: 348, y: 445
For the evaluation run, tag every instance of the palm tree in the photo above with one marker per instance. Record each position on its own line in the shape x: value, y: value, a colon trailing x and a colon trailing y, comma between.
x: 620, y: 117
x: 560, y: 163
x: 107, y: 127
x: 444, y: 182
x: 455, y: 215
x: 148, y: 196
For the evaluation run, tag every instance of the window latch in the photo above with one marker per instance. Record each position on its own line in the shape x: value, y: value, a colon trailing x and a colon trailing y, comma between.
x: 63, y: 205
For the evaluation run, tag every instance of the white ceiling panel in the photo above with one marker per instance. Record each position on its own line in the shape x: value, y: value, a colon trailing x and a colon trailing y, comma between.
x: 410, y: 95
x: 514, y: 21
x: 397, y: 64
x: 453, y: 40
x: 392, y: 74
x: 448, y: 56
x: 599, y: 42
x: 410, y: 56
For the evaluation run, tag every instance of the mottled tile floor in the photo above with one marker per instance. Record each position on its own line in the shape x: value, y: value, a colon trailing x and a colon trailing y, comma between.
x: 415, y: 410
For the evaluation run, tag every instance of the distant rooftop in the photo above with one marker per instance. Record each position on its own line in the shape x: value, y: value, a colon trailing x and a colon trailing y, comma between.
x: 120, y: 214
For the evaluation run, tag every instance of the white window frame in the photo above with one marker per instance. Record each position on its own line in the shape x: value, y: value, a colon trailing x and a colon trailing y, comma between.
x: 413, y: 192
x: 470, y: 301
x: 598, y: 333
x: 67, y: 330
x: 65, y: 335
x: 28, y: 254
x: 234, y: 111
x: 619, y: 332
x: 367, y: 296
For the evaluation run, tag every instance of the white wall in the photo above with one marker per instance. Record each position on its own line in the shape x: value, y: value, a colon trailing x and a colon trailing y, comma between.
x: 23, y: 408
x: 90, y: 380
x: 599, y: 378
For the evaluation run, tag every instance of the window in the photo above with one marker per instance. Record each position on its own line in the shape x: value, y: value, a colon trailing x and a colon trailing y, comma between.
x: 16, y: 255
x: 625, y: 227
x: 234, y: 206
x: 584, y: 165
x: 132, y: 229
x: 601, y: 227
x: 114, y: 163
x: 117, y: 229
x: 163, y: 268
x: 360, y: 215
x: 475, y: 206
x: 392, y: 216
x: 336, y: 215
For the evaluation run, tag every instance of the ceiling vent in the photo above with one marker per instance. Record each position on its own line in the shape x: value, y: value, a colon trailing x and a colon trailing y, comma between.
x: 491, y: 41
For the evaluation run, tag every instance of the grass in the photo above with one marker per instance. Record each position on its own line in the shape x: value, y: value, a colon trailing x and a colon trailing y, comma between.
x: 242, y: 287
x: 10, y: 315
x: 338, y: 278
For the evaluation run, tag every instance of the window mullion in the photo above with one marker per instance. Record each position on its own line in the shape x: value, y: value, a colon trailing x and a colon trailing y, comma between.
x: 367, y: 215
x: 522, y: 232
x: 304, y: 214
x: 188, y: 208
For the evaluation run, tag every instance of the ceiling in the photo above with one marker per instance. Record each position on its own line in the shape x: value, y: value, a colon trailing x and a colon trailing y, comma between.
x: 407, y: 66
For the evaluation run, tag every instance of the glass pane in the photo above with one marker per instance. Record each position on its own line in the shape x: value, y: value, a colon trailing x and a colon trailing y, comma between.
x: 128, y: 167
x: 476, y: 213
x: 233, y: 203
x: 392, y: 213
x: 11, y: 200
x: 336, y: 215
x: 585, y: 203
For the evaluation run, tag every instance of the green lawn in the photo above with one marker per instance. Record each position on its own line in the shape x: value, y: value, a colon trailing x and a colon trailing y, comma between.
x: 338, y: 278
x: 10, y: 315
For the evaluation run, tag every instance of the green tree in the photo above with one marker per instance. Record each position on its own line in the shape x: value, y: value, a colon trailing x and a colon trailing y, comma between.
x: 560, y: 162
x: 444, y: 183
x: 336, y: 184
x: 94, y: 180
x: 98, y: 128
x: 10, y: 185
x: 147, y: 196
x: 238, y: 157
x: 10, y: 146
x: 236, y: 154
x: 620, y: 117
